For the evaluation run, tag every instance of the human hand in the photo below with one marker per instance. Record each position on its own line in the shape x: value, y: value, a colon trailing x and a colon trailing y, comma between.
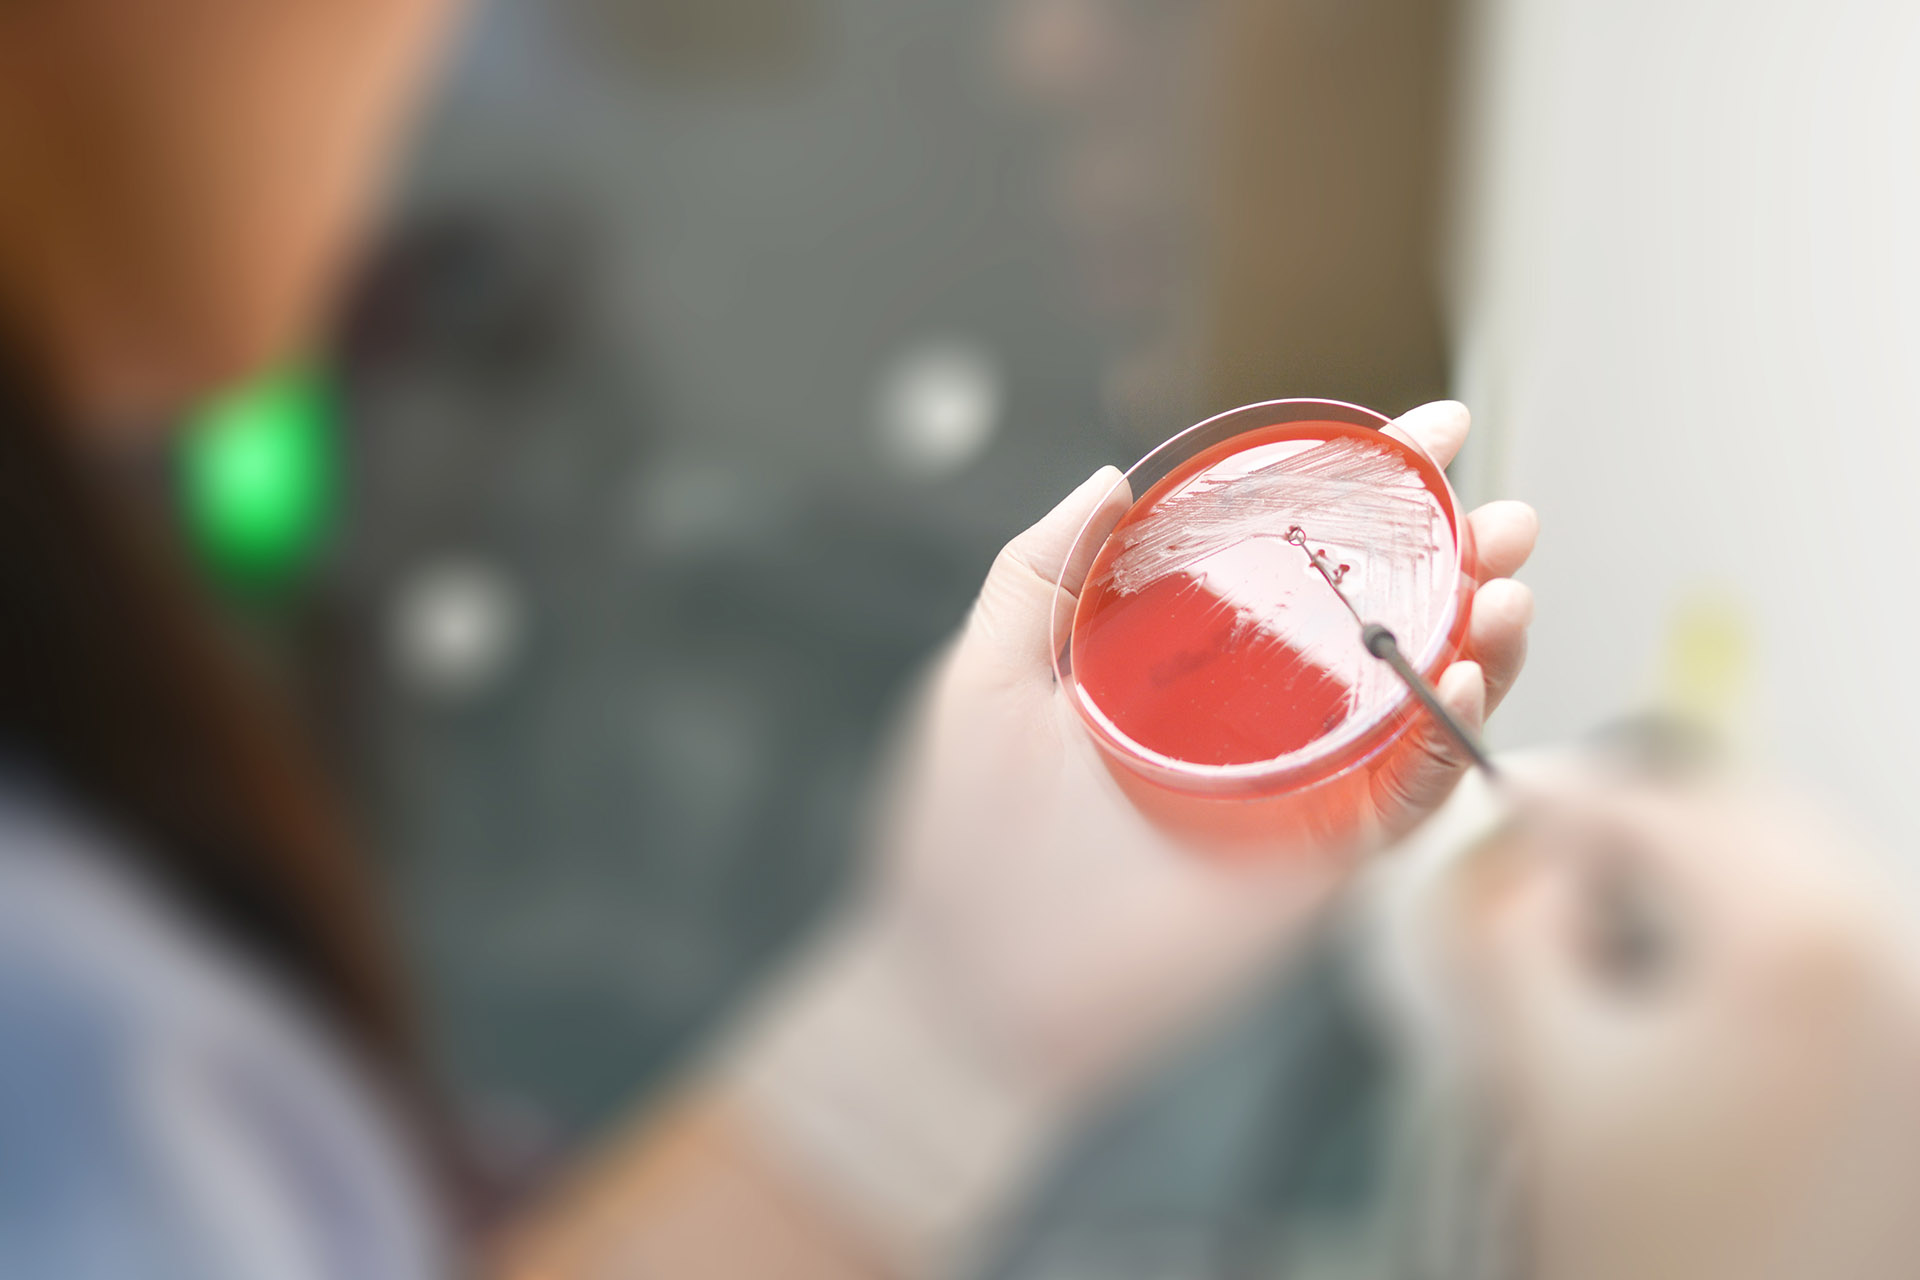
x: 1027, y: 939
x: 1701, y: 1022
x: 1070, y: 928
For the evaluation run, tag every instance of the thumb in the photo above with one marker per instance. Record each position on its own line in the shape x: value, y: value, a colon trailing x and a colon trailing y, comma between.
x: 1036, y: 579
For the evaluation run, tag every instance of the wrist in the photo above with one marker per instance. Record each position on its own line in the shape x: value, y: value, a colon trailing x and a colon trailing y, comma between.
x: 862, y: 1074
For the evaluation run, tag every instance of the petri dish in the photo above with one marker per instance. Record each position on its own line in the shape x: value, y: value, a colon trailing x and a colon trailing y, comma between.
x: 1218, y: 673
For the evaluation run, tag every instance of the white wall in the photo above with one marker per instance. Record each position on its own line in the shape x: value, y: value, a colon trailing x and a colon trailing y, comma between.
x: 1690, y: 305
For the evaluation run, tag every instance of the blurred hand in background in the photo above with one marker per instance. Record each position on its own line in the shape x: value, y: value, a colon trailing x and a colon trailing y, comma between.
x: 1703, y: 1023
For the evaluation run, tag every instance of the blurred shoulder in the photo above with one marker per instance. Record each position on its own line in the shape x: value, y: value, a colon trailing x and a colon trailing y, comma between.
x: 164, y: 1109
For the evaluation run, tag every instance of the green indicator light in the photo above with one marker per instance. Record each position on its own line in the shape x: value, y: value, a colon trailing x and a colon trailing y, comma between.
x: 258, y: 476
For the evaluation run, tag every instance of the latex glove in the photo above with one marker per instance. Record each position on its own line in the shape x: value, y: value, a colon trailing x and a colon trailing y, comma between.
x: 1703, y: 1026
x: 1067, y: 926
x: 1028, y: 939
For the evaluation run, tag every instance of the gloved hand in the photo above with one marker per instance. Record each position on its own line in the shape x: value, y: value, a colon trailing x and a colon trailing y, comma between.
x: 1027, y: 939
x: 1701, y: 1011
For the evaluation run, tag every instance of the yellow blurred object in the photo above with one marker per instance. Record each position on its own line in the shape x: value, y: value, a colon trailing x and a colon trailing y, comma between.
x: 1706, y: 669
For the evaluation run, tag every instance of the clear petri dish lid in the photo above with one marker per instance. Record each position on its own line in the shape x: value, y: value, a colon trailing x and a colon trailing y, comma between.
x: 1205, y: 650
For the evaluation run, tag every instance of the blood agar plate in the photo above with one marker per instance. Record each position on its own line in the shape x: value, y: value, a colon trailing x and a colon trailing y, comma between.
x: 1222, y: 678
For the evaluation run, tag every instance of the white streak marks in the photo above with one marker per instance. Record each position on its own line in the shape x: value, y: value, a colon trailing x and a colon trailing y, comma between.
x: 1346, y: 493
x: 1357, y: 498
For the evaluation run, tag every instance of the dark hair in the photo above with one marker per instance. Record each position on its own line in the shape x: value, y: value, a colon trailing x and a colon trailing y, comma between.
x: 123, y: 693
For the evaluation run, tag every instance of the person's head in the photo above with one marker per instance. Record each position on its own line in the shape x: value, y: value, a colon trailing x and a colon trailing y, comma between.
x: 181, y: 186
x: 185, y: 181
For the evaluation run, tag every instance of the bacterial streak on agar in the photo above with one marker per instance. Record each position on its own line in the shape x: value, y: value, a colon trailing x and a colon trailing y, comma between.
x: 1355, y: 493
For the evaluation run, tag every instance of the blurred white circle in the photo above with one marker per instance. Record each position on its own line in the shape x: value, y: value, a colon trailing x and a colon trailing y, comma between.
x: 937, y: 407
x: 456, y: 626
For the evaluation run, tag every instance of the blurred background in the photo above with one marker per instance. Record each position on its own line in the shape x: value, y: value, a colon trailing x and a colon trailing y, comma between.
x: 716, y: 345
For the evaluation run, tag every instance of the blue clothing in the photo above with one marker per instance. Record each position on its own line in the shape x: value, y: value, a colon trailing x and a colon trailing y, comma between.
x: 165, y: 1114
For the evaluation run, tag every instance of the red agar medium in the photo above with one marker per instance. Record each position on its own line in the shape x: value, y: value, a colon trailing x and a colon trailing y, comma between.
x: 1208, y: 653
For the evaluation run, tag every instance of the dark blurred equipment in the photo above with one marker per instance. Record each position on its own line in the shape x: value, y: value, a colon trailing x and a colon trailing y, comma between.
x: 1328, y: 207
x: 1253, y: 192
x: 738, y: 41
x: 491, y: 295
x: 618, y: 713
